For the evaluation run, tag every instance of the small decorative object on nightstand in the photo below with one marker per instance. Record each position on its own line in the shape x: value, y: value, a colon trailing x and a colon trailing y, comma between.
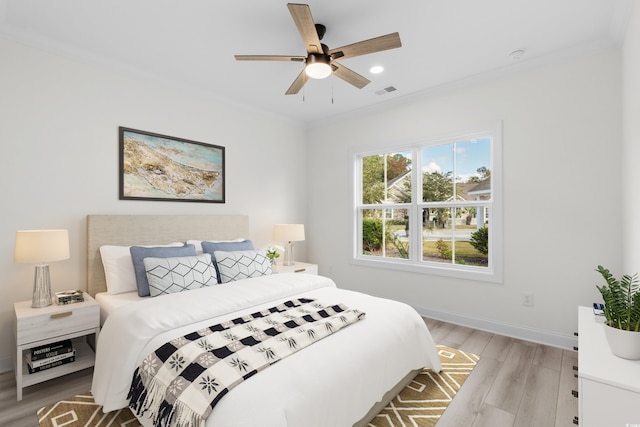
x: 288, y: 233
x: 40, y: 247
x: 298, y: 267
x: 38, y: 327
x: 273, y: 254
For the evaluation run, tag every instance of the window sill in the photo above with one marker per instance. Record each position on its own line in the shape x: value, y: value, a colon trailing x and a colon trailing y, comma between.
x: 459, y: 272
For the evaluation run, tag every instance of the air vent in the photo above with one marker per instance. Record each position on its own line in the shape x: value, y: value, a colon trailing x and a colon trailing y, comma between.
x: 385, y: 90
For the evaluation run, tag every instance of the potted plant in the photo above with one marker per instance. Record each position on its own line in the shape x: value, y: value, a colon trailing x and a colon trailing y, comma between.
x: 273, y: 254
x: 622, y: 313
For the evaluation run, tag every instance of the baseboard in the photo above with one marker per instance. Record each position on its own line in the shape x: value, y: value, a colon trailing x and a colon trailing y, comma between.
x: 6, y: 363
x: 539, y: 336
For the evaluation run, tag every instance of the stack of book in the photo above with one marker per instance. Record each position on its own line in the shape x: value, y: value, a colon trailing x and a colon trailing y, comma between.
x: 69, y: 297
x: 50, y: 355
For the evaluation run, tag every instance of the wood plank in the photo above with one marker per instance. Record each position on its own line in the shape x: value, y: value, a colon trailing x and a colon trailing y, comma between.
x: 468, y: 403
x: 540, y: 399
x: 476, y: 342
x: 567, y: 403
x: 440, y: 331
x: 548, y: 357
x: 497, y: 348
x: 510, y: 383
x: 456, y: 336
x: 493, y: 417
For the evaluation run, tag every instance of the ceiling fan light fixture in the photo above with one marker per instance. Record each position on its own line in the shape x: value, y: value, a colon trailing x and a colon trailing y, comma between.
x: 318, y: 66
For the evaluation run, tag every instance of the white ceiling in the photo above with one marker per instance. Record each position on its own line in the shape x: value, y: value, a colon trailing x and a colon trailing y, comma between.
x: 192, y: 43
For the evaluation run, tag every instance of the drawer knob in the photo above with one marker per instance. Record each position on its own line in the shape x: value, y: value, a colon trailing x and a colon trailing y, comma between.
x: 61, y: 315
x: 300, y: 270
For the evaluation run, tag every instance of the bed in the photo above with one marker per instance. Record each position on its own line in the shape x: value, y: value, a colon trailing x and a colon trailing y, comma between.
x: 344, y: 379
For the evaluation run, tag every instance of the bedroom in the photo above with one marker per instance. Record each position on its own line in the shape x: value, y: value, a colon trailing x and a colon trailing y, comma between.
x: 59, y: 131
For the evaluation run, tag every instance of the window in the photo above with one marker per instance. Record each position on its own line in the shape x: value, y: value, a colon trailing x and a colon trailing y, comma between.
x: 444, y: 219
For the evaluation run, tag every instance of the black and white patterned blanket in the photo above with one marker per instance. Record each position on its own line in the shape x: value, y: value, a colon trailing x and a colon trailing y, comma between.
x: 181, y: 382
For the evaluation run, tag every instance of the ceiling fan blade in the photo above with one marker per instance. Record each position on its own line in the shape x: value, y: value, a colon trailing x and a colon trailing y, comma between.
x: 377, y: 44
x: 297, y: 84
x: 301, y: 15
x: 349, y: 76
x: 270, y: 58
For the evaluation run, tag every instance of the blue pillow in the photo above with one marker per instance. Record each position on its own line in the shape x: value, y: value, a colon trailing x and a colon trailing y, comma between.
x: 139, y: 253
x: 211, y: 247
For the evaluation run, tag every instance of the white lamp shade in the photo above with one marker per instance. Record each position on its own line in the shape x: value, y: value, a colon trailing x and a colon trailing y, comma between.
x: 41, y: 246
x: 288, y: 232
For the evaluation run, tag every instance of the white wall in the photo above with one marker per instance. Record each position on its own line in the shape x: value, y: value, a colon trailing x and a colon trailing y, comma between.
x: 562, y: 197
x: 59, y: 123
x: 631, y: 143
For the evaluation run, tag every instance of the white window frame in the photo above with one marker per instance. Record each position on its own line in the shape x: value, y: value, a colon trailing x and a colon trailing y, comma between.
x: 491, y: 273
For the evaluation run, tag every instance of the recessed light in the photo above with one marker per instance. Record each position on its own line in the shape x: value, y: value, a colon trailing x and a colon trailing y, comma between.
x: 376, y: 69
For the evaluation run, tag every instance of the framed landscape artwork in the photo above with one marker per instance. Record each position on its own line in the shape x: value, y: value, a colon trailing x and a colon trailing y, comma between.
x: 160, y: 167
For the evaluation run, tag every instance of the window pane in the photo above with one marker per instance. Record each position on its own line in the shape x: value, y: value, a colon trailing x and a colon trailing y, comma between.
x: 437, y: 235
x: 385, y: 233
x: 472, y: 247
x: 437, y: 173
x: 386, y: 178
x: 473, y: 169
x: 453, y: 236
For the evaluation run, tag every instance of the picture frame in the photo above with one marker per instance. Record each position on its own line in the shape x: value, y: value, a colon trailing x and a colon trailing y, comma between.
x: 166, y: 168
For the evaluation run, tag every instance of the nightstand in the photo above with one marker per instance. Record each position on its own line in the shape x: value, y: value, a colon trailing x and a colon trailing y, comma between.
x: 298, y: 267
x: 38, y: 326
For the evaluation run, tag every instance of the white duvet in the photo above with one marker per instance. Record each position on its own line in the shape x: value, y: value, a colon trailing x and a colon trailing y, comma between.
x: 333, y: 383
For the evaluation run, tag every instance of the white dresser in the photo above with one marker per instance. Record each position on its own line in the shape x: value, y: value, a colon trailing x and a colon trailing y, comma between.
x: 608, y: 386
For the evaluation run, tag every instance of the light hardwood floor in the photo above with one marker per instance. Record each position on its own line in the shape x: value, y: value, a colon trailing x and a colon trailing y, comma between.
x: 515, y: 384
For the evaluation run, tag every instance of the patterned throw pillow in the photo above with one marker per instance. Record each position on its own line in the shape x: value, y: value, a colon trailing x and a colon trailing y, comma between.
x: 178, y: 274
x: 238, y: 265
x: 139, y: 253
x: 212, y: 247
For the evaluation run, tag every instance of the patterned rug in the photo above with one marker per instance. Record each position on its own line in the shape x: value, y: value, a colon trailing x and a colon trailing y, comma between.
x: 423, y: 401
x: 420, y: 404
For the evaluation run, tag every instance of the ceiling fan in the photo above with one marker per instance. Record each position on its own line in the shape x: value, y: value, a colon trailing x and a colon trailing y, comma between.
x: 320, y: 60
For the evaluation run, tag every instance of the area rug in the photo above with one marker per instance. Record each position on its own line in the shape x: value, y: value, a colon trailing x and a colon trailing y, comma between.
x: 420, y: 404
x: 424, y: 400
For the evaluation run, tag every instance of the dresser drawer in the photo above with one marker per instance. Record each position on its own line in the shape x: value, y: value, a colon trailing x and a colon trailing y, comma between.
x: 59, y: 320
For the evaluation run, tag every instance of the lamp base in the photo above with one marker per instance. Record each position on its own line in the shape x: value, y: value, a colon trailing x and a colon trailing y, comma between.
x: 41, y: 287
x: 288, y: 254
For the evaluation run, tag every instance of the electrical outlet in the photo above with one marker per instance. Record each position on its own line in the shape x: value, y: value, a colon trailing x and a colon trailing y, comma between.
x: 527, y: 299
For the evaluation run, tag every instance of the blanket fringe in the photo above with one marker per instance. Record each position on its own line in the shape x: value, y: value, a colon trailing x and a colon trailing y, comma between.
x: 142, y: 398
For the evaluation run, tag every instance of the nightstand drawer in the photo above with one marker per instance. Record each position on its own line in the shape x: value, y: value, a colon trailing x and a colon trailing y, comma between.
x: 52, y: 323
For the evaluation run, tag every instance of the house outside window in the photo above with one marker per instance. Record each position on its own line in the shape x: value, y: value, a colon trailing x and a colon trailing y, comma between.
x: 446, y: 219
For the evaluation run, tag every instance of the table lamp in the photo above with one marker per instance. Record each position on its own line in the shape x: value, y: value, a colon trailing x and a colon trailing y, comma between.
x: 40, y: 247
x: 288, y: 233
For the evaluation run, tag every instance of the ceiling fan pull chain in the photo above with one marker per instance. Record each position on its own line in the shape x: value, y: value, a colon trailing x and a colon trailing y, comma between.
x: 332, y: 85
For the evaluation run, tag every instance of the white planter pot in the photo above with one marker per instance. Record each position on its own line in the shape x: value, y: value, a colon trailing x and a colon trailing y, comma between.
x: 625, y: 344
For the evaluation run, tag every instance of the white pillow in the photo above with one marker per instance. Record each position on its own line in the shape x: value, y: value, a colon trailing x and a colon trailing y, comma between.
x: 179, y: 274
x: 239, y: 265
x: 118, y: 268
x: 198, y: 243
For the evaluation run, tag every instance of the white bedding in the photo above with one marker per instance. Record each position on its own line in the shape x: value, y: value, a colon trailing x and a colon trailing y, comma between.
x: 316, y: 387
x: 110, y: 302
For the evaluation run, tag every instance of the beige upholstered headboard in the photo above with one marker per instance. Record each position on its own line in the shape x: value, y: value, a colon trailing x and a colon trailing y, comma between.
x: 129, y: 230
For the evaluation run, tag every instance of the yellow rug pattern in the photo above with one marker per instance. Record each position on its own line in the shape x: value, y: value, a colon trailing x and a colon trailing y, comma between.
x: 424, y: 400
x: 420, y: 404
